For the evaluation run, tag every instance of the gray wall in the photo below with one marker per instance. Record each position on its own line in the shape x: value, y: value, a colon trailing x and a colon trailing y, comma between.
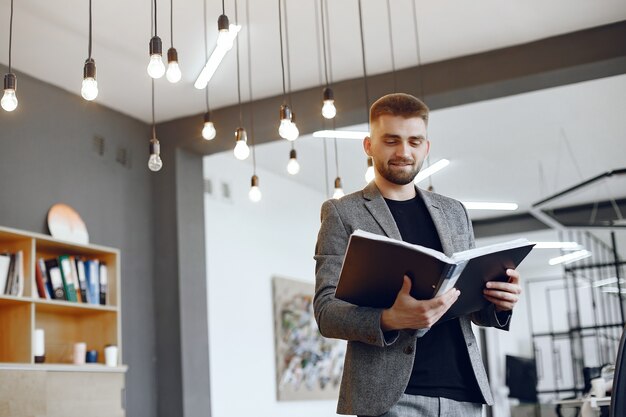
x: 47, y: 156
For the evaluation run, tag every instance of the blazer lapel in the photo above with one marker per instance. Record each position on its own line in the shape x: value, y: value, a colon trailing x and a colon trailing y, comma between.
x: 439, y: 219
x: 375, y: 204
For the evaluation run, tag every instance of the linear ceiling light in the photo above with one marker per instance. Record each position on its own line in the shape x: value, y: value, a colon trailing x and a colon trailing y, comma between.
x: 340, y: 134
x: 570, y: 257
x: 224, y: 44
x: 427, y: 172
x: 480, y: 205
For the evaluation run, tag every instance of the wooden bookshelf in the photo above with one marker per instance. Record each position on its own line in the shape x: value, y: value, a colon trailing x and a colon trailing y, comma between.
x: 64, y: 323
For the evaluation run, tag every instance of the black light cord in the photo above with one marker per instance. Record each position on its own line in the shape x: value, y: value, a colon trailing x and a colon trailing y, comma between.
x: 155, y: 17
x: 238, y: 73
x: 251, y: 106
x: 206, y: 57
x: 223, y: 9
x: 153, y: 123
x: 393, y: 57
x: 171, y: 21
x: 287, y: 53
x: 280, y: 33
x: 330, y: 51
x: 89, y: 28
x: 367, y: 94
x: 324, y: 42
x: 419, y: 58
x: 336, y: 151
x: 10, y: 35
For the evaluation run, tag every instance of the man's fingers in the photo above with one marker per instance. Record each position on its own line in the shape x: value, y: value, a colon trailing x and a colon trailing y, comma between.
x: 406, y: 285
x: 504, y: 286
x: 501, y: 295
x: 502, y: 305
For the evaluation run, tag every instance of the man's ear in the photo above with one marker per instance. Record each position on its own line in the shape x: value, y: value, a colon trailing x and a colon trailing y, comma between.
x: 367, y: 144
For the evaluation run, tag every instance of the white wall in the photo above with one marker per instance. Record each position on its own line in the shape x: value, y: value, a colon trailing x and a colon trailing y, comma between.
x: 247, y: 244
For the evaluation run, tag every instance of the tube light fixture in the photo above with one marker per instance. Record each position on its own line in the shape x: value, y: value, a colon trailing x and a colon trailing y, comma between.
x: 225, y: 42
x: 558, y: 245
x: 430, y: 170
x: 570, y: 257
x: 483, y: 205
x: 340, y: 134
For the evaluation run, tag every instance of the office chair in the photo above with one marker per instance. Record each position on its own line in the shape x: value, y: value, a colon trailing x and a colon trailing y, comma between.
x: 618, y: 393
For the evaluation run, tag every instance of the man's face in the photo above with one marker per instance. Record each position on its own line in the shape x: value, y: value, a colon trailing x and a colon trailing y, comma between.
x: 398, y: 147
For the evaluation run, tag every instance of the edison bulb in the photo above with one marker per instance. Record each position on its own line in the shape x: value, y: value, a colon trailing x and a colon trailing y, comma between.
x: 292, y: 132
x: 255, y: 194
x: 242, y: 151
x: 156, y: 69
x: 369, y: 174
x: 89, y: 90
x: 155, y: 163
x: 173, y: 72
x: 9, y: 100
x: 293, y: 167
x: 338, y: 193
x: 208, y: 131
x: 328, y: 109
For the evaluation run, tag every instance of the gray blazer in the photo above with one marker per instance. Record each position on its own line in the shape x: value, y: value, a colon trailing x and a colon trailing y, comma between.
x: 378, y: 365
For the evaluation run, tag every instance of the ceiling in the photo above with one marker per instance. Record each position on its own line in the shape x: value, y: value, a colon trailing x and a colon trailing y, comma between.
x: 50, y: 42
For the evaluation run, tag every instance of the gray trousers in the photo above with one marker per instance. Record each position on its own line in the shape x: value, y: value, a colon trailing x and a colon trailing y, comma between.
x: 419, y: 406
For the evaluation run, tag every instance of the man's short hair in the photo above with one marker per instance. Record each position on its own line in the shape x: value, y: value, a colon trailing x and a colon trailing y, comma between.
x: 399, y: 104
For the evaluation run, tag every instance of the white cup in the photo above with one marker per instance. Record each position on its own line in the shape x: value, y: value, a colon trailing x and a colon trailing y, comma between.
x: 110, y: 355
x: 598, y: 387
x: 80, y: 350
x: 39, y: 343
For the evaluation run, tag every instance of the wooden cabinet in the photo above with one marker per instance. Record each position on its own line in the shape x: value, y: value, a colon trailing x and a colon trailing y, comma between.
x: 64, y: 323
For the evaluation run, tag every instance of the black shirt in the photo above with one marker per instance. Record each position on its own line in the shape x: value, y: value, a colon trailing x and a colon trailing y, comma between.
x: 442, y: 367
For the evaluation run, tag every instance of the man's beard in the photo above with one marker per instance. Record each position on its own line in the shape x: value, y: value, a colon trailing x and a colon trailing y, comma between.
x: 399, y: 177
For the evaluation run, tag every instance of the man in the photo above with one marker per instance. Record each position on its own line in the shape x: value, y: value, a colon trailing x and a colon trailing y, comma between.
x: 400, y: 361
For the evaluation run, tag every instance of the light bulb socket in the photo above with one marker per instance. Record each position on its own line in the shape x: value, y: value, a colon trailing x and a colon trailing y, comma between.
x: 338, y: 182
x: 241, y: 135
x: 293, y: 117
x: 156, y: 46
x: 292, y: 154
x: 254, y: 181
x: 370, y: 162
x: 285, y: 112
x: 222, y: 23
x: 328, y: 94
x: 10, y: 81
x: 207, y: 117
x: 172, y: 55
x: 155, y: 147
x: 89, y: 71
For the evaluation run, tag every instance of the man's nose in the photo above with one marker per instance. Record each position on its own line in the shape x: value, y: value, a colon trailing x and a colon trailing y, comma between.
x: 403, y: 149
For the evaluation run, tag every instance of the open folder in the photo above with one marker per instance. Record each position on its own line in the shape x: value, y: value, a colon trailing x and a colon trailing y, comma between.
x: 374, y: 266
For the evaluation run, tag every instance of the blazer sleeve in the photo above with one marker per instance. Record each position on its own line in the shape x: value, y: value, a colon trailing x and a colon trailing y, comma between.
x: 337, y: 318
x: 487, y: 317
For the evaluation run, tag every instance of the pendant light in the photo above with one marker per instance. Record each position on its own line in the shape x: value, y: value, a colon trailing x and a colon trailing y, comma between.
x: 287, y: 129
x: 254, y: 194
x: 156, y: 69
x: 9, y: 98
x: 241, y: 151
x: 328, y: 105
x: 154, y: 162
x: 89, y: 89
x: 293, y: 167
x: 338, y: 193
x: 208, y: 128
x: 173, y: 74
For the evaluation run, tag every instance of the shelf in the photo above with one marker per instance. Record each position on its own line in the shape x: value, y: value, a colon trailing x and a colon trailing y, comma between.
x: 70, y: 307
x: 62, y: 367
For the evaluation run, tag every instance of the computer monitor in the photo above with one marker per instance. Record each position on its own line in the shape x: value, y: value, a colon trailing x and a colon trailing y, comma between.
x: 521, y: 378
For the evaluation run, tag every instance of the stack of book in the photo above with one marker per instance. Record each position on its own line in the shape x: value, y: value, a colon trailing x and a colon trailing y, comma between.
x: 12, y: 274
x: 72, y: 278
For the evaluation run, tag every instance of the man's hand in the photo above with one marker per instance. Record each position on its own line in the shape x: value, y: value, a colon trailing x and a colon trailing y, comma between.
x: 409, y: 313
x: 504, y: 294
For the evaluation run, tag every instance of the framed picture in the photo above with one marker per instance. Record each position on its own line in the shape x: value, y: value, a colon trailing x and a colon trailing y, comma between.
x: 308, y: 365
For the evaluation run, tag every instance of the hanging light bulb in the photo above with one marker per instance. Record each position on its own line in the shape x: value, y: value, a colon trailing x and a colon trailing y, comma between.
x: 173, y: 69
x: 208, y: 131
x: 285, y: 121
x: 338, y: 189
x: 156, y: 69
x: 369, y: 174
x: 89, y: 90
x: 224, y: 38
x: 241, y: 147
x: 9, y: 99
x: 292, y: 131
x: 154, y: 162
x: 328, y: 109
x: 255, y: 192
x: 293, y: 167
